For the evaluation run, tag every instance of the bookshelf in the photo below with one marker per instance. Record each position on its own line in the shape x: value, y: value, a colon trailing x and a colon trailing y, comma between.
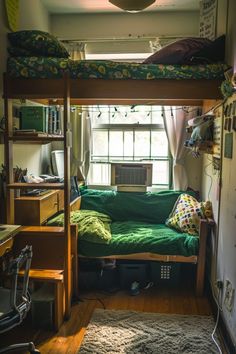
x: 44, y: 136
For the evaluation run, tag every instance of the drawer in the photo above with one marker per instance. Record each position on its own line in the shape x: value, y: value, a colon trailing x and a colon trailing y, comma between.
x: 60, y: 196
x: 48, y: 207
x: 36, y: 210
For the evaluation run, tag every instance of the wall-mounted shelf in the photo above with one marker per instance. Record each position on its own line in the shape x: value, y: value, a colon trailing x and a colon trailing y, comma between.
x: 24, y: 139
x: 35, y: 185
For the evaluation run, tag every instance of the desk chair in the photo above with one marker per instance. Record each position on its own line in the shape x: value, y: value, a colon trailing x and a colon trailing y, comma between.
x: 15, y: 302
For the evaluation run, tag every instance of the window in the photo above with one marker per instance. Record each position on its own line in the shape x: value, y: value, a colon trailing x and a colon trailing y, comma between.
x: 129, y: 133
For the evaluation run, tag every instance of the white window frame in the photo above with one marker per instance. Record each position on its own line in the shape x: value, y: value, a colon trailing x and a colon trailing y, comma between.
x: 132, y: 127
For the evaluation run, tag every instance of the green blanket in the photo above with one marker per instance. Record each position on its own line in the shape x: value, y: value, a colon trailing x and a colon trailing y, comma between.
x: 92, y: 226
x: 137, y: 237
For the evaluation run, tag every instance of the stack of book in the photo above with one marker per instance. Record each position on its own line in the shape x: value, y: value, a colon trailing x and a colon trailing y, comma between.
x: 41, y: 119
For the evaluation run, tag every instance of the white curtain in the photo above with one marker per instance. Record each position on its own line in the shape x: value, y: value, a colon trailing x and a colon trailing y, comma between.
x: 76, y: 50
x: 80, y: 125
x: 175, y: 122
x: 81, y: 143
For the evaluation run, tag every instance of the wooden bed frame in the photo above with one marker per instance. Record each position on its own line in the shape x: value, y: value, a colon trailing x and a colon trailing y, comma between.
x: 99, y: 91
x: 199, y: 260
x: 68, y: 91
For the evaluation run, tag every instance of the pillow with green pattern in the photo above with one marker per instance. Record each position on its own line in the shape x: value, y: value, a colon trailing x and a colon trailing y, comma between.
x: 92, y: 225
x: 19, y: 52
x: 38, y: 43
x: 187, y: 213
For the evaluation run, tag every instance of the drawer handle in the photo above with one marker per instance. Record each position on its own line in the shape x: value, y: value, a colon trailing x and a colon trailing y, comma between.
x: 56, y: 203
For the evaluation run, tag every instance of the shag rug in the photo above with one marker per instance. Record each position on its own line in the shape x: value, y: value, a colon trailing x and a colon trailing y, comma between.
x: 117, y: 332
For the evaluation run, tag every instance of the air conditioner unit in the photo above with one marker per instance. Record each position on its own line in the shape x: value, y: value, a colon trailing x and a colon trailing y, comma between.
x: 132, y: 177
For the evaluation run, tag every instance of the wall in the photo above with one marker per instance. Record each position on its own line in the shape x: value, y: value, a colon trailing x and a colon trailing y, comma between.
x: 90, y: 26
x: 226, y: 224
x: 125, y: 28
x: 33, y: 15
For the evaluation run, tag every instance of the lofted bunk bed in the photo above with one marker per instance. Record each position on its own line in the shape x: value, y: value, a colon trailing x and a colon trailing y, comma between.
x: 62, y: 81
x: 159, y: 85
x: 68, y: 91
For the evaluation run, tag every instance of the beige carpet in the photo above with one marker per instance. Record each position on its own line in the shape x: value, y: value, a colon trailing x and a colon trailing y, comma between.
x: 117, y: 332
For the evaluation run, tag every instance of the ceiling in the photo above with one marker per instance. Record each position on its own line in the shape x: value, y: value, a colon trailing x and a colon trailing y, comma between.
x: 101, y: 6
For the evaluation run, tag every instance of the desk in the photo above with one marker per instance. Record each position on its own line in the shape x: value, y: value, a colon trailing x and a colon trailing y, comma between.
x: 7, y: 232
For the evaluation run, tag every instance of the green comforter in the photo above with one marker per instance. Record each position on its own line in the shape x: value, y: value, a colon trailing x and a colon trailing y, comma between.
x: 49, y: 67
x: 93, y: 226
x: 138, y: 237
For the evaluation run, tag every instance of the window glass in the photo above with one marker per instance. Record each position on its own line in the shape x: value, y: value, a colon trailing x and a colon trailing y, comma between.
x: 142, y: 144
x: 116, y: 144
x: 100, y: 142
x: 128, y: 144
x: 99, y: 173
x: 160, y: 172
x: 128, y: 133
x: 159, y: 143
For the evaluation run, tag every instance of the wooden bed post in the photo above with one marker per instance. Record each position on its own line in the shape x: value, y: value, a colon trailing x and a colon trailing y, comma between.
x: 203, y: 233
x: 74, y: 251
x: 8, y: 152
x: 67, y: 147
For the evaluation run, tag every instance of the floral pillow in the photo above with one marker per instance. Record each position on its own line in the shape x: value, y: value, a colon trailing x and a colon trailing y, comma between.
x: 19, y: 52
x: 187, y: 213
x: 38, y: 43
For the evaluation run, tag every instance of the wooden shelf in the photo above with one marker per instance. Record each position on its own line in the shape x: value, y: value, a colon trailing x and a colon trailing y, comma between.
x: 35, y: 186
x: 24, y: 139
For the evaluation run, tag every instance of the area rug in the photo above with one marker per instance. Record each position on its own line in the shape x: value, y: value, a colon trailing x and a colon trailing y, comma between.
x: 130, y: 332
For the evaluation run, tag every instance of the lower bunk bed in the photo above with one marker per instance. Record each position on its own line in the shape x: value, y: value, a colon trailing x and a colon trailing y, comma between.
x: 132, y: 226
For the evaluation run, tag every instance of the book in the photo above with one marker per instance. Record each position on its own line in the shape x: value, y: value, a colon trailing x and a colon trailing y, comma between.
x: 34, y: 117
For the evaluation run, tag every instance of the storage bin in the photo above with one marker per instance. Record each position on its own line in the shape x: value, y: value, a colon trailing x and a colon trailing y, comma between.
x: 165, y: 273
x: 42, y: 307
x: 130, y: 272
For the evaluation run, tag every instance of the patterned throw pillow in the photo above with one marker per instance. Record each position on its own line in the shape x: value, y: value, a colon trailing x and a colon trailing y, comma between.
x: 19, y: 52
x: 187, y: 213
x: 39, y: 43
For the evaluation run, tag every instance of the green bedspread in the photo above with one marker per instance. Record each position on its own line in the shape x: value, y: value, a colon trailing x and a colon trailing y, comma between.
x: 138, y: 224
x: 47, y: 67
x: 93, y: 226
x: 137, y: 237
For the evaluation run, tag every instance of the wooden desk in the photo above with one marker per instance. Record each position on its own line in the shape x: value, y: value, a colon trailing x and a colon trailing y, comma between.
x: 7, y: 232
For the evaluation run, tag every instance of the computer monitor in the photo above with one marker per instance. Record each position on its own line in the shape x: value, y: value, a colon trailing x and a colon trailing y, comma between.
x: 58, y: 163
x: 58, y: 170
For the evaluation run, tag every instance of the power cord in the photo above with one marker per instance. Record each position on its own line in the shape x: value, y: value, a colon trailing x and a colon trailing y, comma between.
x: 209, y: 176
x: 219, y: 308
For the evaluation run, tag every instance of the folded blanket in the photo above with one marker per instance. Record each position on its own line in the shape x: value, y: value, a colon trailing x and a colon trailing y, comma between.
x: 92, y: 225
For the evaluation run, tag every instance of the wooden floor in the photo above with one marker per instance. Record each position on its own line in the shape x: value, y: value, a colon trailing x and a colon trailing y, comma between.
x: 68, y: 339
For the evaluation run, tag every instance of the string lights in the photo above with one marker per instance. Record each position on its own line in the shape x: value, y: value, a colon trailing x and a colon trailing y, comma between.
x: 101, y: 110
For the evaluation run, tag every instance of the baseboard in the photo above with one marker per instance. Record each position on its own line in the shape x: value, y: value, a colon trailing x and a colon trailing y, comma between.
x: 229, y: 346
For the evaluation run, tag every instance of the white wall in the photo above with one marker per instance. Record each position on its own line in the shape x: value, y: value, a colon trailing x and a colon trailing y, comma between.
x: 33, y: 15
x: 90, y: 26
x: 226, y: 223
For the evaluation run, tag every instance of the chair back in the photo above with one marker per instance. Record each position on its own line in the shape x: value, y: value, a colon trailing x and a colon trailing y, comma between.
x: 16, y: 300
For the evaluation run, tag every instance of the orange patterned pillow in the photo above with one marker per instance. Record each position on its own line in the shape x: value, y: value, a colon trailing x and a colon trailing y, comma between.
x: 187, y: 213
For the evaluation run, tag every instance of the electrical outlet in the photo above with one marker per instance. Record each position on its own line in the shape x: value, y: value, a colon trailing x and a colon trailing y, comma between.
x: 229, y: 296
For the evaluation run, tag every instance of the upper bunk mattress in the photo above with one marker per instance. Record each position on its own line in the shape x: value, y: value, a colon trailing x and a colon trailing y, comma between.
x: 47, y: 67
